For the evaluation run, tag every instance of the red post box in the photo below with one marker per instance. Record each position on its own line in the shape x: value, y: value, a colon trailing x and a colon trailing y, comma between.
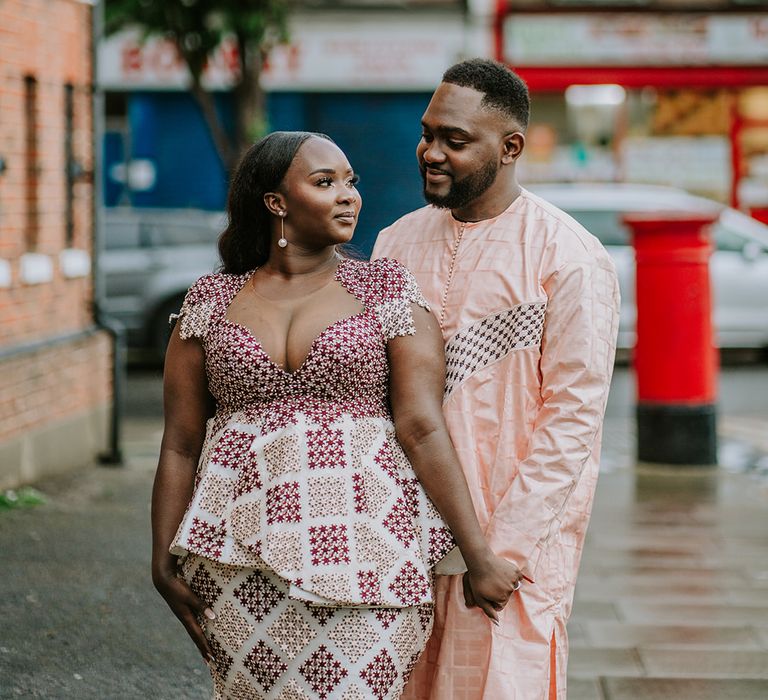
x: 675, y: 358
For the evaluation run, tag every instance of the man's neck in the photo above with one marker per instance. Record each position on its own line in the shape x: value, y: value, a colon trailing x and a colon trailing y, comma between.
x: 490, y: 204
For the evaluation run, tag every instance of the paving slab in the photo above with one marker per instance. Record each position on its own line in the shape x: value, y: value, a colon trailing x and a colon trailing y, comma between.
x: 624, y: 635
x: 683, y: 689
x: 577, y: 635
x: 685, y: 663
x: 584, y: 689
x: 681, y: 614
x: 588, y: 663
x: 595, y: 610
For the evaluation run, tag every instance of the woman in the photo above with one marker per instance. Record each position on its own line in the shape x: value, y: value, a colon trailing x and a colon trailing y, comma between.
x: 296, y: 382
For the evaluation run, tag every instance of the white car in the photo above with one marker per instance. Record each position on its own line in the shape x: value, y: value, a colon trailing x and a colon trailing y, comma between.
x: 738, y: 267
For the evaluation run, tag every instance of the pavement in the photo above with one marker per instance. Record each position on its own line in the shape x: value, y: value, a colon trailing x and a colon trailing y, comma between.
x: 671, y: 603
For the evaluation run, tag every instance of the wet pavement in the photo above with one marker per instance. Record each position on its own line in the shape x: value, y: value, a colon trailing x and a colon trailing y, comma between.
x: 672, y: 599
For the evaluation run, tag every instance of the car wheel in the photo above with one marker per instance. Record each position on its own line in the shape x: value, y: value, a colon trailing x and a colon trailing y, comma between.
x: 161, y: 328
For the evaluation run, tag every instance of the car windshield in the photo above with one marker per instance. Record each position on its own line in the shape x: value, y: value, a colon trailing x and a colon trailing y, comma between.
x: 605, y: 225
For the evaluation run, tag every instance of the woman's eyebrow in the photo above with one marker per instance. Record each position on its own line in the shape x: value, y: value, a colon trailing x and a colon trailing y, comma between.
x: 328, y: 171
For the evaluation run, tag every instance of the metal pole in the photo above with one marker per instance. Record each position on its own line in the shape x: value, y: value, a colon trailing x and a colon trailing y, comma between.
x: 113, y: 454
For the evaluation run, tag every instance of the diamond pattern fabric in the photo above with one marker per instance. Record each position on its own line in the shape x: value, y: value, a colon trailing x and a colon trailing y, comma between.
x: 283, y: 649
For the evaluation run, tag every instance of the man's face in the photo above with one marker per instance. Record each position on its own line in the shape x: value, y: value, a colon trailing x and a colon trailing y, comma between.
x: 461, y: 147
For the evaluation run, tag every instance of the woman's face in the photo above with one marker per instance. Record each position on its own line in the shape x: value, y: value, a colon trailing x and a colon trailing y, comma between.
x: 320, y: 199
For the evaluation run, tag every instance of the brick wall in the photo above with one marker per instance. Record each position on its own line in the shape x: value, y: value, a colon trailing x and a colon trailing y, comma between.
x: 54, y: 383
x: 43, y: 299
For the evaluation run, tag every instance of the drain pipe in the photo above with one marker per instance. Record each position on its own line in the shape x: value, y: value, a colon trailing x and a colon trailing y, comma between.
x: 113, y: 455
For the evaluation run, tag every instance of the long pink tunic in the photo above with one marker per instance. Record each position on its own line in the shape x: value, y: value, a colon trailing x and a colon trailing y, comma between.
x: 528, y: 302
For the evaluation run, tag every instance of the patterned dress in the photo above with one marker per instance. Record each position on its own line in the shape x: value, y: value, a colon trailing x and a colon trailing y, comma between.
x: 308, y: 533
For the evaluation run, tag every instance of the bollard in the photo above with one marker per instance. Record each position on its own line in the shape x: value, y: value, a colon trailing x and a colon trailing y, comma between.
x: 675, y: 357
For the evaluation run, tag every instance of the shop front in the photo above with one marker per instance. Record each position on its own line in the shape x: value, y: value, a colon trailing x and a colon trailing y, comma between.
x: 675, y: 97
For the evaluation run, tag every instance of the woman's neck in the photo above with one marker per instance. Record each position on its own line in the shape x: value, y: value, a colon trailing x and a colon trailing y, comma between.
x: 293, y: 262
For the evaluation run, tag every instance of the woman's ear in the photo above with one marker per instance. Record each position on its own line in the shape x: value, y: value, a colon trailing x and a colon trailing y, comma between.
x: 513, y: 146
x: 274, y: 203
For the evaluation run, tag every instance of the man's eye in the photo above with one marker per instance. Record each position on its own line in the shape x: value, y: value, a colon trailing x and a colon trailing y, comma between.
x: 455, y: 145
x: 426, y: 137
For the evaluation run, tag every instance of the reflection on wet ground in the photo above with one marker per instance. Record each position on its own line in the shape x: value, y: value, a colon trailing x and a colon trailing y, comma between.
x: 672, y: 599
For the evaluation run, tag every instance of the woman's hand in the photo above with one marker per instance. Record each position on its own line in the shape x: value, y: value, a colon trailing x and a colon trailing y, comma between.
x: 490, y: 584
x: 187, y: 607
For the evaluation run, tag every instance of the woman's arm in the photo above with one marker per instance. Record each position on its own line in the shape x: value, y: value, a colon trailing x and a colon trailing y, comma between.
x: 417, y: 380
x: 187, y: 406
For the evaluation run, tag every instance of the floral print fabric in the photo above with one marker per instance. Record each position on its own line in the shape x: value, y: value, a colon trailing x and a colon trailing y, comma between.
x: 300, y: 471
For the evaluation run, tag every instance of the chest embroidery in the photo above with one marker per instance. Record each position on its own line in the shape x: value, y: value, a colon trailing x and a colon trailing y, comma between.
x: 490, y: 339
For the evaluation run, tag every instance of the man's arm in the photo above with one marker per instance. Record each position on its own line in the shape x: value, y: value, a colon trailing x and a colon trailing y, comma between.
x: 577, y: 355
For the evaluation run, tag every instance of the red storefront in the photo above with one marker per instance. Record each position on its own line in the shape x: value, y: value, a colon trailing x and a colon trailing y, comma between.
x: 671, y: 92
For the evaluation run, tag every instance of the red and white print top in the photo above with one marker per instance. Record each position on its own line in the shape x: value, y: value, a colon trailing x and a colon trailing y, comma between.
x: 300, y: 472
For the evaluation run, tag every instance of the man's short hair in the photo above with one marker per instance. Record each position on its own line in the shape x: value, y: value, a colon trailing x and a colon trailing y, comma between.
x: 502, y: 88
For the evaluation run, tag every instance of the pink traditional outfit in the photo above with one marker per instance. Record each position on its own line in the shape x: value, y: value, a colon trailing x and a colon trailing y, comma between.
x: 528, y: 303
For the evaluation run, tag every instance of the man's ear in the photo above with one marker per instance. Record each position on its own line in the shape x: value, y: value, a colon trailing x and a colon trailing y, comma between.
x: 274, y: 203
x: 513, y: 145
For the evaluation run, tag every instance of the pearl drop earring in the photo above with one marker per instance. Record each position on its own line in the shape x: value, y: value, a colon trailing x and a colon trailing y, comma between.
x: 283, y: 241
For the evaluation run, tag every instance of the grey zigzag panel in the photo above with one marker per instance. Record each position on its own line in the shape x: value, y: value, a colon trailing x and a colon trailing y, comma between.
x: 489, y: 339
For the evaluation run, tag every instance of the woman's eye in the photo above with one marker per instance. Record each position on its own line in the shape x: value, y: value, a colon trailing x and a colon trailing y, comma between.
x: 352, y: 182
x: 325, y: 181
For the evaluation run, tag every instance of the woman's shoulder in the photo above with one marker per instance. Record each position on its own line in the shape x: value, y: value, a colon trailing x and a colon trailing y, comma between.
x: 381, y: 281
x: 213, y: 285
x: 380, y: 273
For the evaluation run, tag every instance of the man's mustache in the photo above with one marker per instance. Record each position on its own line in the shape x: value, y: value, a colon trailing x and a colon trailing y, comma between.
x: 432, y: 169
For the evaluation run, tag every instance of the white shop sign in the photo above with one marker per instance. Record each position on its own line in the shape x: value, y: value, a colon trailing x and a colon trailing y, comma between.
x: 125, y: 62
x: 325, y: 53
x: 631, y: 39
x: 368, y: 54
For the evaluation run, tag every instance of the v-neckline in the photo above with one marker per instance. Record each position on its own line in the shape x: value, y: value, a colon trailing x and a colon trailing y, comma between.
x: 286, y: 373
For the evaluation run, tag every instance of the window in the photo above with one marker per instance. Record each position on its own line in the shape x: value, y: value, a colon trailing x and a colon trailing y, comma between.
x: 69, y: 166
x: 31, y: 167
x: 605, y: 225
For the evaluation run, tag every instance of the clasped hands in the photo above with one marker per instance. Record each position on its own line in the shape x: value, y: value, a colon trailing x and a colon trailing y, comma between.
x: 491, y: 585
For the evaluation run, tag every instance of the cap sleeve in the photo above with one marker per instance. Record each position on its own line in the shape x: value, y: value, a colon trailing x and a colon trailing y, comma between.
x: 196, y: 311
x: 398, y: 292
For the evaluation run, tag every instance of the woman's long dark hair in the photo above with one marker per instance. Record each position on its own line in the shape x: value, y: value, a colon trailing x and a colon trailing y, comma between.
x: 245, y: 243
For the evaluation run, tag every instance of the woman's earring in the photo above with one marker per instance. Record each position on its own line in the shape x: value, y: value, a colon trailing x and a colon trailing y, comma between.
x: 283, y: 241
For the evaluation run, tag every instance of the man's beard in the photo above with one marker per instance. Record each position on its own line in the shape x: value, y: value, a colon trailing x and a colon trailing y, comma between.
x: 462, y: 192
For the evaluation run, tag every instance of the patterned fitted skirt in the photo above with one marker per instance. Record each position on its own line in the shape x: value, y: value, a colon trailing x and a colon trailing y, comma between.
x: 269, y: 646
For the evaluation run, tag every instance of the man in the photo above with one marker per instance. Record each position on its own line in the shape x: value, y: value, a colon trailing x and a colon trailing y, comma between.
x: 528, y: 303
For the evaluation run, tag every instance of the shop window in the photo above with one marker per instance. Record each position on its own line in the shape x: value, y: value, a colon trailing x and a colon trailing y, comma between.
x: 31, y: 166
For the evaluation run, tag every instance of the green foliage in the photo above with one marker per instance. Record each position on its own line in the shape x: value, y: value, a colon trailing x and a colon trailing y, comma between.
x: 197, y: 27
x: 22, y: 498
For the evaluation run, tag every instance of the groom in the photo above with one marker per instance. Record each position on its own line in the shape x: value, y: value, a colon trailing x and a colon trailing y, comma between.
x: 528, y: 304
